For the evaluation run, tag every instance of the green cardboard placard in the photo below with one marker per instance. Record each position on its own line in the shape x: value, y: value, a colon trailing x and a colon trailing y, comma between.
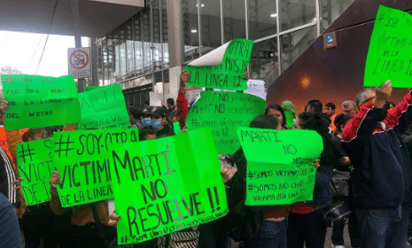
x: 89, y: 88
x: 229, y: 74
x: 176, y: 128
x: 279, y: 170
x: 35, y: 165
x: 36, y: 101
x: 390, y: 51
x: 82, y: 159
x: 103, y: 108
x: 166, y: 185
x: 224, y: 112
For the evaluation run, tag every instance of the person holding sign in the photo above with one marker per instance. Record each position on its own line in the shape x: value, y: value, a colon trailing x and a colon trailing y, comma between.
x: 276, y: 111
x: 307, y: 224
x: 382, y: 177
x: 255, y: 226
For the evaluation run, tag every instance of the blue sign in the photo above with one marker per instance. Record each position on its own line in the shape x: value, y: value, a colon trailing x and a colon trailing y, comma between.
x: 330, y: 38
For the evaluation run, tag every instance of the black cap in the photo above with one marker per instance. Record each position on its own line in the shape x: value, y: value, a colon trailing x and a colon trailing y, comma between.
x: 136, y: 112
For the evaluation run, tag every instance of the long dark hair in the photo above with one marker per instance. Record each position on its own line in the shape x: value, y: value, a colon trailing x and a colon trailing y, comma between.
x: 340, y: 120
x: 320, y: 123
x: 278, y: 108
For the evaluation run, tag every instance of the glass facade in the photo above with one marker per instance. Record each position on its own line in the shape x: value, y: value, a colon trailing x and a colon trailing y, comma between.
x: 282, y: 30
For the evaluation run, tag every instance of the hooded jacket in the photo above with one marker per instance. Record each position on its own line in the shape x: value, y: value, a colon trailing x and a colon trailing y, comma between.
x: 373, y: 141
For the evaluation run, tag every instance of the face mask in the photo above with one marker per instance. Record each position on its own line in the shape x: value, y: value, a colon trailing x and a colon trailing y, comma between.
x: 156, y: 123
x: 147, y: 121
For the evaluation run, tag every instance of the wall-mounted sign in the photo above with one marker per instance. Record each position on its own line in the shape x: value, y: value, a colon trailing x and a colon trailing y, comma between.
x: 329, y: 40
x: 79, y: 62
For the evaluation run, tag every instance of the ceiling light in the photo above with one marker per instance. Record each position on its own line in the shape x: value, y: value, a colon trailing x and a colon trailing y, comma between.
x: 194, y: 30
x: 201, y: 5
x: 274, y: 15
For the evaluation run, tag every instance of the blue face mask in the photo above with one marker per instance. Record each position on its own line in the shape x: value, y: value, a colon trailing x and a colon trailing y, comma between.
x: 147, y: 121
x: 156, y: 123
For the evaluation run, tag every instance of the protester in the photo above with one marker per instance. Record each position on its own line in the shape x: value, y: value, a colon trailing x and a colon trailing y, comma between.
x: 182, y: 107
x: 288, y: 107
x: 171, y: 107
x: 314, y: 106
x: 263, y: 226
x: 9, y: 226
x: 382, y: 177
x: 349, y: 108
x: 135, y: 116
x: 307, y: 224
x: 276, y: 111
x: 330, y: 111
x: 407, y: 137
x: 343, y: 174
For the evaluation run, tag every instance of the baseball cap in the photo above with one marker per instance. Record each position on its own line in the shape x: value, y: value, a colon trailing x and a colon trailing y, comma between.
x: 288, y: 106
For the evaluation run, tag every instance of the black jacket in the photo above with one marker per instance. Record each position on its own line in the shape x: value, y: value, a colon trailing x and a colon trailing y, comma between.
x: 373, y: 140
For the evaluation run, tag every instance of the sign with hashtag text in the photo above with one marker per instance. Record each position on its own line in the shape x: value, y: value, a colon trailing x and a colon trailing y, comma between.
x: 36, y: 101
x: 35, y: 165
x: 166, y: 185
x: 223, y: 112
x: 279, y: 165
x: 82, y: 159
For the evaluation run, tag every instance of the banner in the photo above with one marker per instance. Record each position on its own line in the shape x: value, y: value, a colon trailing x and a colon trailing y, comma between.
x: 103, y: 108
x: 279, y: 170
x: 224, y: 112
x: 390, y: 50
x: 35, y: 165
x: 89, y: 88
x: 36, y: 101
x: 82, y: 159
x: 166, y: 185
x: 228, y: 74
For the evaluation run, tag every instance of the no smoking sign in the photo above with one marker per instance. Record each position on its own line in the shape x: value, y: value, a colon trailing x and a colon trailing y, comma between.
x: 79, y: 62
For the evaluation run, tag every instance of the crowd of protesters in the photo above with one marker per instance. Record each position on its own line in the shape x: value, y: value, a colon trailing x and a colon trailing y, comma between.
x: 363, y: 178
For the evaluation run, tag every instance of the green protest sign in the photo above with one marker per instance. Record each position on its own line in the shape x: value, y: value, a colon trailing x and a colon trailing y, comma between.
x: 82, y: 159
x: 35, y: 165
x: 279, y: 170
x: 390, y: 49
x: 229, y: 73
x: 224, y: 112
x: 104, y: 107
x: 89, y: 88
x: 176, y: 128
x: 166, y: 185
x: 36, y: 101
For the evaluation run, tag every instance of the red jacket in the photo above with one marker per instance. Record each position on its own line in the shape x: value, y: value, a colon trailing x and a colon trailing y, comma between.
x: 182, y: 108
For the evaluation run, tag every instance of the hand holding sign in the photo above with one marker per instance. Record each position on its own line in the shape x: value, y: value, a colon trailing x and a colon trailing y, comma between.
x: 286, y: 174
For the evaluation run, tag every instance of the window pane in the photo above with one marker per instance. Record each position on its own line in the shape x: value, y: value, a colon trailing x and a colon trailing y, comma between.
x: 165, y: 35
x: 130, y: 49
x: 112, y: 65
x: 157, y: 45
x: 210, y: 20
x: 330, y: 10
x: 296, y: 13
x: 190, y: 29
x: 264, y: 62
x: 294, y: 44
x: 122, y: 41
x: 234, y: 19
x: 147, y: 51
x: 138, y: 45
x: 262, y: 18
